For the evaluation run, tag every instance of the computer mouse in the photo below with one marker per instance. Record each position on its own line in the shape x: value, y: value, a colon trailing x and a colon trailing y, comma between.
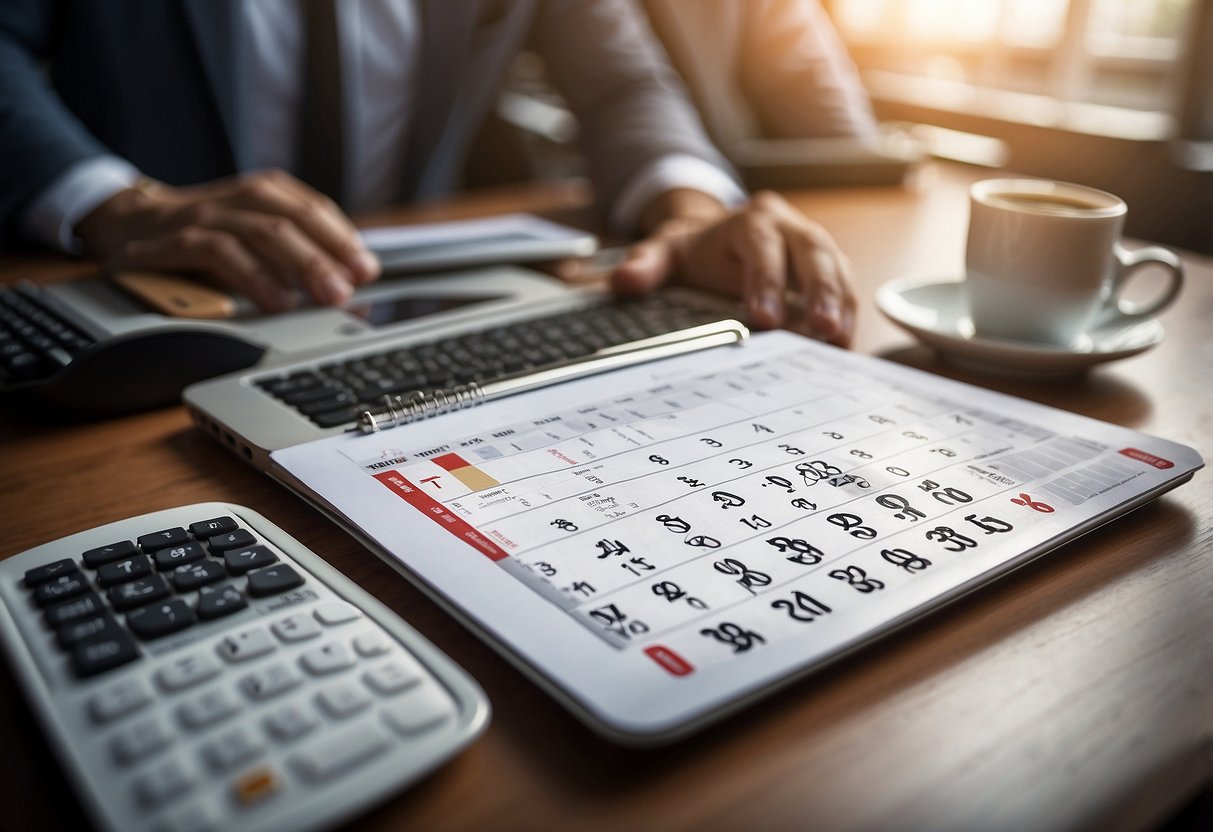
x: 139, y: 371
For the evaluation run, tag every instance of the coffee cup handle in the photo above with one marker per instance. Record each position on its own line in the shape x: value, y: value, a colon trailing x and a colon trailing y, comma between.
x: 1127, y: 263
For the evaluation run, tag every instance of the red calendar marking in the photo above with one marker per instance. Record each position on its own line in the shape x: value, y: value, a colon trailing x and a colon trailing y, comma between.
x: 1149, y: 459
x: 450, y: 461
x: 671, y: 661
x: 1035, y: 505
x: 439, y: 513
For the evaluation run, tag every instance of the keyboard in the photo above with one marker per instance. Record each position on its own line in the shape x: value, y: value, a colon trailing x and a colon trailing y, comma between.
x: 199, y: 669
x: 335, y: 393
x: 35, y: 341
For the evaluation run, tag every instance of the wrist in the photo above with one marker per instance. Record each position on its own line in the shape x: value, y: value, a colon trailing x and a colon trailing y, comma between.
x: 110, y: 223
x: 680, y: 210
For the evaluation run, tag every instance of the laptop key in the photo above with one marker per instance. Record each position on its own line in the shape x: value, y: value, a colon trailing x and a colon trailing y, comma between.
x: 333, y: 418
x: 315, y: 393
x: 331, y: 402
x: 285, y: 384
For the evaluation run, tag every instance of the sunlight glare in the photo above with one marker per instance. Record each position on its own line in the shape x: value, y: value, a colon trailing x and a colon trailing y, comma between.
x: 1035, y: 23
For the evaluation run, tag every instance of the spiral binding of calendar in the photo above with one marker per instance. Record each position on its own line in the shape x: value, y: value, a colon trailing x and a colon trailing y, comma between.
x: 419, y: 405
x: 399, y: 410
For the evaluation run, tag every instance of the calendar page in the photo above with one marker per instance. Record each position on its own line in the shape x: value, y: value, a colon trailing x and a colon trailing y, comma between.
x: 660, y: 544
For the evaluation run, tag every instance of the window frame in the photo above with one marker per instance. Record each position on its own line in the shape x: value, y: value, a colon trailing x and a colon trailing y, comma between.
x: 1068, y: 68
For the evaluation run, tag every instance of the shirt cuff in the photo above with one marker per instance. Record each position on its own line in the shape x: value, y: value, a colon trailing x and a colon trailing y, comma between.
x: 678, y: 170
x: 52, y: 216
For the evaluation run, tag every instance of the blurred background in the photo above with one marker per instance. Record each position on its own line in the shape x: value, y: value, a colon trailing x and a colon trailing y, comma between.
x: 1116, y: 94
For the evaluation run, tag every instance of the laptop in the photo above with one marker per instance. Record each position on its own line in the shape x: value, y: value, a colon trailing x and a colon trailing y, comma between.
x: 476, y: 325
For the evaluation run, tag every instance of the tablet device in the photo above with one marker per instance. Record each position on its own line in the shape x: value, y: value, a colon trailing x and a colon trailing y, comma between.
x: 507, y: 238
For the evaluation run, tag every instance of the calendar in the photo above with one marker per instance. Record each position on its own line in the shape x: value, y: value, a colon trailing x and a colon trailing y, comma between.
x: 663, y: 544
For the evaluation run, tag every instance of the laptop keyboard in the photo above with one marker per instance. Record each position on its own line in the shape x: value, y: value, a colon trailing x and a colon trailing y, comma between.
x: 335, y: 393
x: 34, y: 342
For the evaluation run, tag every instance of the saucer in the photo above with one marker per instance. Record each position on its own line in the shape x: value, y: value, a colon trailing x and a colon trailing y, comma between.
x: 937, y: 312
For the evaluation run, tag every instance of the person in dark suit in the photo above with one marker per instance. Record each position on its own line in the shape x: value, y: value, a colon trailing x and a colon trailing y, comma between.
x: 160, y: 136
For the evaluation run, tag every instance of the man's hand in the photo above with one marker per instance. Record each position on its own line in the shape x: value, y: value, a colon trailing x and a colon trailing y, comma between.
x: 764, y: 252
x: 265, y: 235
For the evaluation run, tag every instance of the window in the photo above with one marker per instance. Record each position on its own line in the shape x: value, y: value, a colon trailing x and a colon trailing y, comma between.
x: 1104, y: 56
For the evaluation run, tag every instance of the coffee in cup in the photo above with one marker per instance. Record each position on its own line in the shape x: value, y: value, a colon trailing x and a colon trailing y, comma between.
x: 1044, y: 263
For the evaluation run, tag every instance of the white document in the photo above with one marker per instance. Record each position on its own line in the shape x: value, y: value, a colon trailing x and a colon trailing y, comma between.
x: 664, y: 543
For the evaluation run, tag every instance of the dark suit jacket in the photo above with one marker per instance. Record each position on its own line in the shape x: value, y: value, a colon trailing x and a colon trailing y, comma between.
x: 158, y: 82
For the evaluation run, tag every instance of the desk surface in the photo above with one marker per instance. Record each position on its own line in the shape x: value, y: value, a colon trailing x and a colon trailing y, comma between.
x: 1076, y: 692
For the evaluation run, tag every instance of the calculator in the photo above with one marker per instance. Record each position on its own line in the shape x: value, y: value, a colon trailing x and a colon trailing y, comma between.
x: 197, y: 668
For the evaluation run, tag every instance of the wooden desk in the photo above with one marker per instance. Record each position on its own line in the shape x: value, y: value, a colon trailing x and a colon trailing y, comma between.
x: 1075, y: 693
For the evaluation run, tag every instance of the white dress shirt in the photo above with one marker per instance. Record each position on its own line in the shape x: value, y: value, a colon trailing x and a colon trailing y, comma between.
x: 379, y: 87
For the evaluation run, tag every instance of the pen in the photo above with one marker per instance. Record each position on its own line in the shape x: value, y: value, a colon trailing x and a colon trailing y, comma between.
x: 400, y: 410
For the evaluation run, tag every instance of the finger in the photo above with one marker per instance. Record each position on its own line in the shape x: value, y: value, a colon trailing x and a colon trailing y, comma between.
x: 830, y: 313
x: 850, y: 304
x: 822, y: 276
x: 815, y: 283
x: 293, y: 257
x: 215, y: 253
x: 649, y: 264
x: 316, y: 215
x: 759, y: 249
x: 333, y: 228
x: 823, y: 301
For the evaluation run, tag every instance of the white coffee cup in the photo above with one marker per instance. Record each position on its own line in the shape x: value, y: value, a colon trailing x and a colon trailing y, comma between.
x: 1044, y: 262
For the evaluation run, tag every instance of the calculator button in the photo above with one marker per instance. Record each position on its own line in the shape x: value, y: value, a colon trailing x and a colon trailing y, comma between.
x: 342, y: 700
x: 83, y: 607
x: 289, y: 722
x: 60, y: 589
x: 140, y: 740
x: 231, y: 748
x: 175, y: 556
x: 271, y: 681
x: 218, y: 601
x: 256, y: 785
x: 186, y: 671
x: 197, y: 817
x: 239, y: 561
x: 338, y: 752
x: 190, y: 576
x: 207, y: 708
x: 163, y: 783
x: 330, y: 613
x: 238, y: 539
x: 272, y: 580
x: 158, y: 620
x: 245, y: 645
x: 210, y: 528
x: 163, y: 539
x: 108, y: 554
x: 392, y: 678
x: 97, y: 626
x: 374, y: 643
x: 119, y: 699
x: 421, y: 709
x: 54, y: 569
x: 98, y: 655
x: 119, y: 572
x: 326, y: 659
x: 140, y: 592
x: 297, y: 627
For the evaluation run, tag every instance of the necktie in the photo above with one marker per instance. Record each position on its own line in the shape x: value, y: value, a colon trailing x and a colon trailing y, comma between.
x: 321, y: 116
